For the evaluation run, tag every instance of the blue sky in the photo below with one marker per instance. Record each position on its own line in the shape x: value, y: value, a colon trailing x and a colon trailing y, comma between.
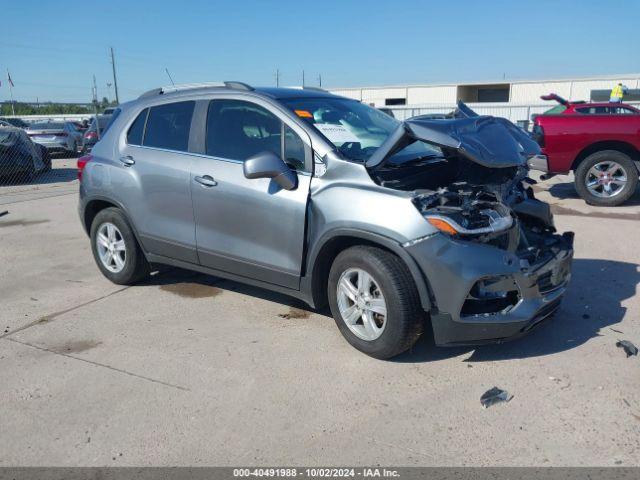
x: 53, y: 48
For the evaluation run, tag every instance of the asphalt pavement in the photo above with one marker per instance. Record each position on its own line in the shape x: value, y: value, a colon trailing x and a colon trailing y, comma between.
x: 188, y: 369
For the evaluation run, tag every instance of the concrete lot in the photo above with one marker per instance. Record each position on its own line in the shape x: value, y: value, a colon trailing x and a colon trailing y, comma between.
x: 193, y: 370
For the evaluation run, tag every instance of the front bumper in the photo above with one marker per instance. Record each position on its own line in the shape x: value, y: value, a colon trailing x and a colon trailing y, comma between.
x: 453, y: 267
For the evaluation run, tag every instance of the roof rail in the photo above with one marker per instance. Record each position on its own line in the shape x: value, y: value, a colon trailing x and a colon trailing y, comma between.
x: 239, y: 86
x: 189, y: 86
x: 317, y: 89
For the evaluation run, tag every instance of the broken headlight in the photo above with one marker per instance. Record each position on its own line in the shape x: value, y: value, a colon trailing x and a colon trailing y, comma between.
x: 481, y: 222
x: 467, y: 211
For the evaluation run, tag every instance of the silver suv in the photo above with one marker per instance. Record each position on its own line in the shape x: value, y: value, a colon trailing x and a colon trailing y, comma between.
x: 396, y: 225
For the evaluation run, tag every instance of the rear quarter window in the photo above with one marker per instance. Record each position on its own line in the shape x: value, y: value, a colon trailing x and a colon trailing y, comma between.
x: 136, y: 131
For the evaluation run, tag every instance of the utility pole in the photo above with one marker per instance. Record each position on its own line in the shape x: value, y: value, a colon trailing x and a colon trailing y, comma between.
x: 13, y: 108
x: 95, y: 105
x: 115, y: 81
x: 320, y: 80
x: 302, y: 78
x: 277, y: 77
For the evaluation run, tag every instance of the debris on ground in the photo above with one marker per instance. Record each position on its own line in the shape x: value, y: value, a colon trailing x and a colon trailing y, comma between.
x: 2, y: 214
x: 614, y: 330
x: 628, y: 347
x: 494, y: 395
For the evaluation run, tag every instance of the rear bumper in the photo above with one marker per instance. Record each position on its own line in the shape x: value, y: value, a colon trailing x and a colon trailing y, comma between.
x: 453, y: 268
x: 58, y: 146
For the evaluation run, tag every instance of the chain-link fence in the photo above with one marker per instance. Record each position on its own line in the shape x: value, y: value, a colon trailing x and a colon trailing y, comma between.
x: 37, y: 163
x: 39, y: 153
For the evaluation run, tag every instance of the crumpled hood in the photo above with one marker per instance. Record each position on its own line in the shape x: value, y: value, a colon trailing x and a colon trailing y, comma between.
x: 489, y: 141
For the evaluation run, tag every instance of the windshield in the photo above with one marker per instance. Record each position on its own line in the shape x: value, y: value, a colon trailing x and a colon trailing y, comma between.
x: 555, y: 110
x: 355, y: 129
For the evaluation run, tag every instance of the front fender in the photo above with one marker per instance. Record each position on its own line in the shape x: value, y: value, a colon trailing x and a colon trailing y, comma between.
x: 313, y: 289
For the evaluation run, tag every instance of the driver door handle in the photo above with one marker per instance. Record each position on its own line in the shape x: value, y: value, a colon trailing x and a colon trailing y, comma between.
x: 127, y: 160
x: 206, y: 181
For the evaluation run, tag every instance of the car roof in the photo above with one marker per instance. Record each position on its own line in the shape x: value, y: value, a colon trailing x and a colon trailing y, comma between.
x: 601, y: 104
x: 278, y: 93
x: 290, y: 93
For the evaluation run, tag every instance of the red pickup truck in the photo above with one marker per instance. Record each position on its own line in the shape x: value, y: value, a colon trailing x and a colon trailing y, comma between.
x: 599, y: 142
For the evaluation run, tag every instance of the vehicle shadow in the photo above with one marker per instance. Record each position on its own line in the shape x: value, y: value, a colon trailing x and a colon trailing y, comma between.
x: 55, y: 175
x: 564, y: 191
x: 191, y: 284
x: 592, y: 303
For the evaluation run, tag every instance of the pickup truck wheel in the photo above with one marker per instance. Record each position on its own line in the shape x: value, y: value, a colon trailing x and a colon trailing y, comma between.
x: 606, y: 178
x: 374, y: 301
x: 115, y: 248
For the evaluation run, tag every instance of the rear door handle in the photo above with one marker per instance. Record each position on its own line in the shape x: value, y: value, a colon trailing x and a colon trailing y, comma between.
x: 127, y: 160
x: 206, y: 181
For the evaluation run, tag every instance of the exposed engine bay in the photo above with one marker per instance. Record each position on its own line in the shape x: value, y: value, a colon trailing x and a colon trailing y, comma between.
x: 473, y: 184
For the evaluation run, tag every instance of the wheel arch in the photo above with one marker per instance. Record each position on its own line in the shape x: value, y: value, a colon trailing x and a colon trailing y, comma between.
x: 620, y: 146
x: 333, y: 242
x: 95, y: 205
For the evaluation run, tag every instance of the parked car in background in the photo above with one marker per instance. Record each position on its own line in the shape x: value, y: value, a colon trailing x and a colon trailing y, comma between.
x: 599, y: 142
x: 398, y: 226
x: 60, y: 137
x: 16, y: 122
x: 20, y: 156
x: 95, y: 131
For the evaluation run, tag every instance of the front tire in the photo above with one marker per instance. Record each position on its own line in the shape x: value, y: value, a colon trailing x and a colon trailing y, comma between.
x: 115, y: 248
x: 374, y: 301
x: 607, y: 178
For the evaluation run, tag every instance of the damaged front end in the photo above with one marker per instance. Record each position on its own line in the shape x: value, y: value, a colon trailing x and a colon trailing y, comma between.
x: 501, y: 268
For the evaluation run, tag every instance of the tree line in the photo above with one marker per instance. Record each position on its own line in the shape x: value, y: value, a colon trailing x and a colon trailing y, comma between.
x: 23, y: 108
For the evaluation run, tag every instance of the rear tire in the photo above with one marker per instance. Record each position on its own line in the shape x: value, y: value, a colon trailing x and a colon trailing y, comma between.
x: 611, y: 164
x: 391, y: 285
x: 132, y: 266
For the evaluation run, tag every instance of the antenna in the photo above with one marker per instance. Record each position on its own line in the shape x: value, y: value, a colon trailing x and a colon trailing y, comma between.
x: 169, y: 75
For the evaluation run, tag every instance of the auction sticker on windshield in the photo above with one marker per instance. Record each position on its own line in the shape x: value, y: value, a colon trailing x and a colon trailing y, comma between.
x: 336, y: 133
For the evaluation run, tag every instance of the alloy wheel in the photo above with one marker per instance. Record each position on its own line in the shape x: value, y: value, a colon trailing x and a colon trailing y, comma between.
x: 606, y: 179
x: 111, y: 247
x: 361, y: 303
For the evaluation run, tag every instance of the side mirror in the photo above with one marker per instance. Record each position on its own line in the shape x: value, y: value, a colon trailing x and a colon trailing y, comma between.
x: 270, y: 165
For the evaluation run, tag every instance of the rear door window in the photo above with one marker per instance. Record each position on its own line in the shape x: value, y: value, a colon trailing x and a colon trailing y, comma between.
x: 168, y: 126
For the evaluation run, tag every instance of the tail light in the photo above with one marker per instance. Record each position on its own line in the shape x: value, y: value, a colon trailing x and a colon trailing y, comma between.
x: 82, y: 162
x: 538, y: 134
x: 90, y: 135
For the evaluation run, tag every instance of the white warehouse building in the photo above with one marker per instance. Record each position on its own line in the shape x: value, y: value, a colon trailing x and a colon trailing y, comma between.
x: 515, y: 100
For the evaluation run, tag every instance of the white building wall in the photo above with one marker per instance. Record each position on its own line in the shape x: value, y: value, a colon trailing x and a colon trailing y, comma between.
x: 377, y: 96
x: 355, y: 93
x: 531, y: 92
x: 522, y: 93
x: 434, y: 94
